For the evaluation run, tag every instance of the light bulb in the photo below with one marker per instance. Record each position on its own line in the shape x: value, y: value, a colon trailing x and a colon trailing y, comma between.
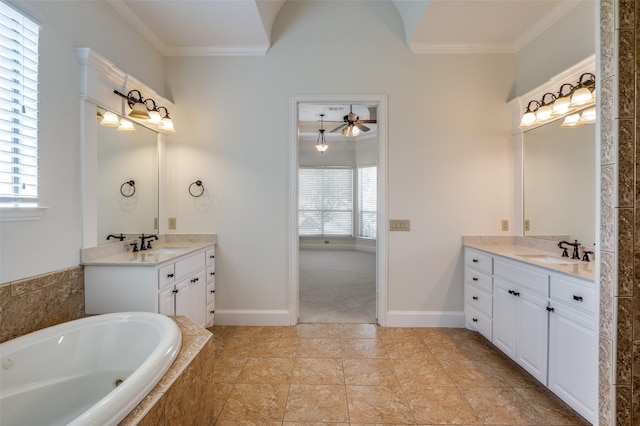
x: 588, y: 115
x: 126, y: 126
x: 528, y: 119
x: 581, y: 96
x: 167, y: 125
x: 544, y: 112
x: 154, y: 118
x: 110, y: 120
x: 561, y: 105
x: 572, y: 120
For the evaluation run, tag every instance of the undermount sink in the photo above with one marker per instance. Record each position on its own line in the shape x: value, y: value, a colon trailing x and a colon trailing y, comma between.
x: 167, y: 250
x: 550, y: 259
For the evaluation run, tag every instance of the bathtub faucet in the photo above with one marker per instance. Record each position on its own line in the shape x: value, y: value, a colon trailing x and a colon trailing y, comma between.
x: 144, y: 238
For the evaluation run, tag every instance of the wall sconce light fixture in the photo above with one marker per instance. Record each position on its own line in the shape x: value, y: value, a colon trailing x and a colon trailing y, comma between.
x: 321, y: 144
x: 148, y: 111
x: 569, y: 98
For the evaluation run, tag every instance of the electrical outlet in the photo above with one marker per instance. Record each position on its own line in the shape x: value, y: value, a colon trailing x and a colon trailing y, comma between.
x: 505, y: 225
x: 527, y: 225
x: 172, y: 223
x: 399, y: 225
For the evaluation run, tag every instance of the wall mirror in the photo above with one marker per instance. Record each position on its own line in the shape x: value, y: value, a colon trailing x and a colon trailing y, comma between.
x: 124, y: 158
x: 559, y: 182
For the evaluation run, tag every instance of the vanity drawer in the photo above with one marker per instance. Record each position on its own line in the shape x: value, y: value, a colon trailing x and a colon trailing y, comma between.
x: 478, y: 322
x: 189, y: 265
x: 477, y: 279
x: 578, y: 294
x: 211, y: 274
x: 166, y: 276
x: 478, y: 261
x: 211, y: 256
x: 478, y: 300
x: 527, y: 276
x: 211, y: 309
x: 211, y: 292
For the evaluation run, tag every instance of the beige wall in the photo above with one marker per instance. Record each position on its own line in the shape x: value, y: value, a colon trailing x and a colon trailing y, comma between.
x: 449, y: 149
x: 53, y: 243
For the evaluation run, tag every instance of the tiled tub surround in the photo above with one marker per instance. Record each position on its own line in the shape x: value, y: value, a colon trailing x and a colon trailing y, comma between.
x: 184, y: 396
x: 521, y: 249
x: 38, y: 302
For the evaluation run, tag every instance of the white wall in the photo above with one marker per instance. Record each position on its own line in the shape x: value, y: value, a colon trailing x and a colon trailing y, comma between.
x: 450, y: 156
x: 563, y: 44
x: 52, y: 243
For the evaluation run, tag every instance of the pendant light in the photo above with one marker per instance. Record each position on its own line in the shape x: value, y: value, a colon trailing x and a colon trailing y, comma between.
x: 321, y: 144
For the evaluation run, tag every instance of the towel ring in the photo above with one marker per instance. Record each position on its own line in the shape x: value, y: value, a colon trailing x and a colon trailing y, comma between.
x: 128, y: 192
x: 197, y: 183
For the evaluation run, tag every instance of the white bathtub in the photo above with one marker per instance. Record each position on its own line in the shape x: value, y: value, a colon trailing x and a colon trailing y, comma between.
x: 92, y: 371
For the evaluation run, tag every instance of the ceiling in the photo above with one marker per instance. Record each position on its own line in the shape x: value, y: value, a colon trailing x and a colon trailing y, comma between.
x: 243, y: 27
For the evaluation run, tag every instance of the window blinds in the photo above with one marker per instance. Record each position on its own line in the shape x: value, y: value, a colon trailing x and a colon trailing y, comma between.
x: 367, y: 201
x: 18, y: 108
x: 325, y: 201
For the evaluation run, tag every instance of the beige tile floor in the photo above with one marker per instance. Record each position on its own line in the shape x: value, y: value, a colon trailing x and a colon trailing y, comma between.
x: 360, y: 373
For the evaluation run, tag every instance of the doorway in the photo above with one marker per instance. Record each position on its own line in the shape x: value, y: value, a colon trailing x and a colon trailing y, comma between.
x: 324, y: 246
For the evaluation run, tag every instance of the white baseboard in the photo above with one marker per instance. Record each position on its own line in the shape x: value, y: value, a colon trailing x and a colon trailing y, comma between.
x: 425, y: 319
x: 251, y: 317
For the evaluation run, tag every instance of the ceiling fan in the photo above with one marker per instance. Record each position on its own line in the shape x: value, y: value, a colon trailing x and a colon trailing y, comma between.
x: 352, y: 125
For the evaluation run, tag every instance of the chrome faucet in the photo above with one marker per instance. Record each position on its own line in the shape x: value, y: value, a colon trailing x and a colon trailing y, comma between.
x: 575, y: 245
x: 143, y: 238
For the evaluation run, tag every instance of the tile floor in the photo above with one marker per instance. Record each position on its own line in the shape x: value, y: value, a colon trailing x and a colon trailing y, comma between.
x: 360, y: 373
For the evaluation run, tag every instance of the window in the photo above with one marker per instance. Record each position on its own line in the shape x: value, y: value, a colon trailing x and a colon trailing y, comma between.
x: 18, y: 109
x: 367, y: 201
x: 325, y: 204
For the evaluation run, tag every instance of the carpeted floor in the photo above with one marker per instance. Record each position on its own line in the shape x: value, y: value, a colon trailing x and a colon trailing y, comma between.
x: 337, y: 286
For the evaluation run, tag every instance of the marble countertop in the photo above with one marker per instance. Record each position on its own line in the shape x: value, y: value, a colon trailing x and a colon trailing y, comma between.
x: 149, y: 257
x: 534, y: 256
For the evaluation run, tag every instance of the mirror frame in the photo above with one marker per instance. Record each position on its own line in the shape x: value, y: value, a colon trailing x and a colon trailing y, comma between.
x: 518, y: 107
x: 98, y: 79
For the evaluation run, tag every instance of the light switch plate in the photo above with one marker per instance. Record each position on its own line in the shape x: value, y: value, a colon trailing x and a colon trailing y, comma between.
x: 399, y: 225
x: 505, y: 225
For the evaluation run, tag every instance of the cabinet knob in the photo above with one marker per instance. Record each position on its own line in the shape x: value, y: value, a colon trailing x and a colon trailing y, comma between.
x: 175, y: 291
x: 475, y: 278
x: 212, y: 291
x: 475, y: 297
x: 169, y: 275
x: 212, y: 273
x: 194, y: 280
x: 510, y: 291
x: 211, y: 257
x: 577, y: 298
x: 515, y: 293
x: 475, y: 260
x: 212, y: 312
x: 475, y: 320
x: 550, y: 309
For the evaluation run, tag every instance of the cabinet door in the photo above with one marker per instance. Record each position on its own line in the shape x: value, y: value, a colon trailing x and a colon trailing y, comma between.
x: 166, y: 302
x: 573, y: 360
x: 532, y: 332
x: 198, y: 299
x: 504, y: 318
x: 183, y: 298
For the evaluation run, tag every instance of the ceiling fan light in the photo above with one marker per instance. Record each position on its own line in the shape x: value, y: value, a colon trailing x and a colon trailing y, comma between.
x: 110, y: 120
x: 572, y: 120
x: 126, y: 126
x: 139, y: 110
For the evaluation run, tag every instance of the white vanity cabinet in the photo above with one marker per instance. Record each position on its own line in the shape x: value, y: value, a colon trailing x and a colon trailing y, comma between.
x: 520, y: 316
x: 544, y: 320
x: 175, y: 287
x: 573, y: 344
x: 211, y: 286
x: 478, y: 268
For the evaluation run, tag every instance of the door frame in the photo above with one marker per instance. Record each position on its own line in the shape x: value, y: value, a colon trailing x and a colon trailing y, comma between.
x: 381, y: 240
